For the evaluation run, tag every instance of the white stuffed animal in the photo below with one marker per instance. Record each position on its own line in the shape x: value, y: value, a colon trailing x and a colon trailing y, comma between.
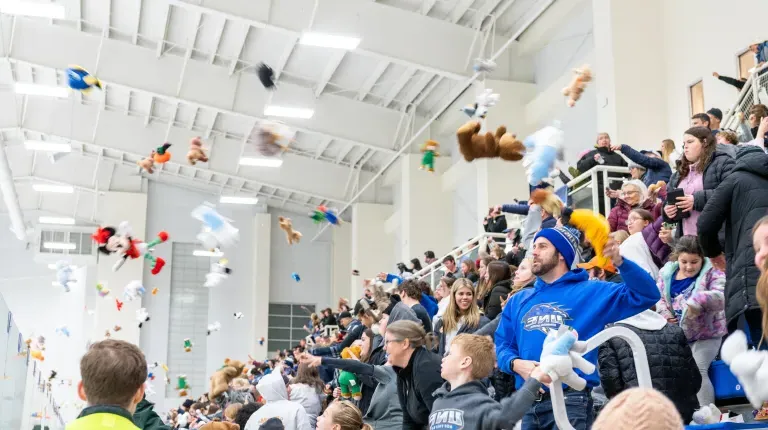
x: 64, y: 274
x: 217, y: 231
x: 749, y: 366
x: 214, y: 327
x: 561, y: 354
x: 219, y: 272
x: 133, y: 290
x: 142, y: 316
x: 707, y: 415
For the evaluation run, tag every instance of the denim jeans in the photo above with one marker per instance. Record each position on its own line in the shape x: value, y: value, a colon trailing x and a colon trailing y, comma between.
x: 578, y: 404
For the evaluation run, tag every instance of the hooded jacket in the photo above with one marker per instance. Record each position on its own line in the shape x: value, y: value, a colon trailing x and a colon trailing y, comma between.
x: 659, y: 250
x: 310, y: 399
x: 470, y: 407
x: 738, y: 202
x: 673, y: 369
x: 272, y: 389
x: 416, y: 384
x: 702, y: 309
x: 146, y: 418
x: 587, y: 306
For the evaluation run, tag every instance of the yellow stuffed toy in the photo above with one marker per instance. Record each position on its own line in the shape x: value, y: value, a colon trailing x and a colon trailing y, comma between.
x: 348, y: 383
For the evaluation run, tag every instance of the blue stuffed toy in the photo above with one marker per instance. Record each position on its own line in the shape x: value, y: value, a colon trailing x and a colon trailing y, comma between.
x: 542, y: 149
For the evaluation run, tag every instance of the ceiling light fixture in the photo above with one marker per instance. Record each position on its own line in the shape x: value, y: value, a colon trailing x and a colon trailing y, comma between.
x: 52, y: 266
x: 288, y: 112
x: 41, y: 90
x: 50, y: 188
x: 202, y: 253
x: 41, y: 10
x: 239, y: 200
x: 329, y: 41
x: 59, y: 245
x: 56, y: 220
x: 261, y: 162
x: 39, y: 145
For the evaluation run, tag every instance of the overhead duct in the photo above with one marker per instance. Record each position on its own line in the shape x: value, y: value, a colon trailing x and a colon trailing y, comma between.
x: 10, y: 198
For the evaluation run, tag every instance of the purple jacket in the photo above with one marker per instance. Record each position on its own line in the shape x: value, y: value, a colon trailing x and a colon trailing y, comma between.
x: 659, y: 250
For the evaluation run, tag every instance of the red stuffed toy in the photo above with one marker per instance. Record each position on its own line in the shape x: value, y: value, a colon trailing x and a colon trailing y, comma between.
x: 120, y: 240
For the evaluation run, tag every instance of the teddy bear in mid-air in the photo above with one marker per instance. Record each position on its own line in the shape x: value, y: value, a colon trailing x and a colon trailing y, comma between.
x: 578, y: 83
x: 196, y: 152
x: 502, y: 145
x: 292, y: 235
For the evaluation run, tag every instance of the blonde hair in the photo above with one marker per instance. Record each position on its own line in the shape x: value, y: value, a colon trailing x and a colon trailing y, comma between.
x: 730, y: 136
x: 498, y: 253
x: 230, y: 413
x: 515, y: 287
x: 667, y: 149
x: 412, y: 331
x: 453, y: 314
x: 761, y: 292
x: 240, y: 383
x: 347, y: 416
x: 619, y: 236
x: 481, y: 350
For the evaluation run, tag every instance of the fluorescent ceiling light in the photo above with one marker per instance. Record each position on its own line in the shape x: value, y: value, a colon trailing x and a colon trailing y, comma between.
x: 261, y: 162
x: 39, y: 145
x: 50, y: 188
x: 41, y: 90
x: 52, y: 266
x: 56, y: 220
x: 239, y: 200
x: 202, y: 253
x: 329, y: 41
x: 42, y: 10
x: 287, y: 112
x: 59, y: 245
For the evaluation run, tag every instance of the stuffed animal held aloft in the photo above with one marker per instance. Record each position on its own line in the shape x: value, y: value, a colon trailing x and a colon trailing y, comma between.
x: 293, y: 236
x: 348, y: 383
x: 196, y: 152
x: 221, y: 379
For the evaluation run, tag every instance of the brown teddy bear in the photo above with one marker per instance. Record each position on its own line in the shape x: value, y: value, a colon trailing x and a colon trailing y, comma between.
x: 287, y: 225
x: 147, y: 163
x: 220, y: 425
x: 221, y: 379
x: 578, y: 83
x: 502, y: 144
x: 196, y: 152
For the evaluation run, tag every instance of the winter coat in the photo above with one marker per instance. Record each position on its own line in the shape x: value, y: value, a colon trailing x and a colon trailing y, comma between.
x: 93, y: 417
x: 618, y: 216
x: 416, y: 384
x: 673, y: 369
x: 739, y: 202
x: 656, y: 168
x: 463, y: 329
x: 610, y: 159
x: 492, y: 300
x: 703, y: 309
x: 659, y: 250
x: 496, y: 224
x: 272, y: 389
x: 310, y: 398
x: 146, y: 418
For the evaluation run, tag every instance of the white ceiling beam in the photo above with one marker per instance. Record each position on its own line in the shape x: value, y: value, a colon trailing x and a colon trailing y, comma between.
x: 138, y: 22
x: 171, y: 100
x: 485, y: 11
x: 370, y: 82
x: 343, y: 153
x: 38, y: 178
x: 211, y: 125
x: 149, y: 111
x: 427, y: 91
x: 426, y: 6
x: 461, y: 8
x: 240, y: 45
x: 188, y: 54
x: 79, y: 14
x: 418, y: 87
x: 460, y: 38
x: 161, y: 43
x: 330, y: 68
x: 322, y: 147
x: 541, y: 31
x: 217, y: 42
x: 285, y: 56
x: 402, y: 81
x: 108, y: 18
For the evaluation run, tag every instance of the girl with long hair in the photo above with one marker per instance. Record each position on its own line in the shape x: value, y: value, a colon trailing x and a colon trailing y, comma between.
x: 461, y: 316
x: 307, y: 390
x: 469, y: 271
x: 497, y: 288
x: 669, y: 154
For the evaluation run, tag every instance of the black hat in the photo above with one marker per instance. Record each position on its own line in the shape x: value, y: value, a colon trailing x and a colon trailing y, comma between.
x: 429, y: 254
x: 717, y: 113
x: 344, y: 314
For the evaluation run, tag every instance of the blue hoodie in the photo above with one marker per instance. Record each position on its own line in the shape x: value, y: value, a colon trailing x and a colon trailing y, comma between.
x: 587, y: 306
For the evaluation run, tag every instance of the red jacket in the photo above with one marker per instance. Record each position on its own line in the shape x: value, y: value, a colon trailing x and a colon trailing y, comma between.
x: 617, y: 219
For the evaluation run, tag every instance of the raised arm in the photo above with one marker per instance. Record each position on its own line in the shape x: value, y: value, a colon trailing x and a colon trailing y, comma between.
x: 650, y: 163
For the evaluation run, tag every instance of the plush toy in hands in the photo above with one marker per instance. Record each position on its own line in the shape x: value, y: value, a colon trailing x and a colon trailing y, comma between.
x: 561, y: 354
x: 474, y: 145
x: 749, y: 366
x: 64, y: 274
x: 578, y: 83
x: 293, y: 236
x: 133, y: 290
x: 196, y: 152
x: 161, y: 154
x: 120, y: 241
x: 348, y: 383
x: 222, y: 377
x: 429, y: 149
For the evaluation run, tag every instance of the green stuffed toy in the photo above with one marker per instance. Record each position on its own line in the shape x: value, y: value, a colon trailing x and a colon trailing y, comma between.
x: 429, y: 148
x: 348, y: 383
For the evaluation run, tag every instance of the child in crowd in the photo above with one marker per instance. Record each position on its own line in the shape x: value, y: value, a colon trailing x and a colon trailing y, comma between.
x: 464, y: 400
x: 274, y: 391
x: 113, y: 373
x: 342, y: 415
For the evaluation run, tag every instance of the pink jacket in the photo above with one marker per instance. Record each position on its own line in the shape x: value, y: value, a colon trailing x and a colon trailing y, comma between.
x: 703, y: 309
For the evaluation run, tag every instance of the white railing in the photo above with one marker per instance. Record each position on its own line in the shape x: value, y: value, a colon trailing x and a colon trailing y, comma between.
x: 434, y: 271
x: 748, y: 97
x: 589, y: 180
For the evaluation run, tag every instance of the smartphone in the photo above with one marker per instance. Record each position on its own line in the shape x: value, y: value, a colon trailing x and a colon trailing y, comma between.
x: 672, y: 196
x: 616, y: 185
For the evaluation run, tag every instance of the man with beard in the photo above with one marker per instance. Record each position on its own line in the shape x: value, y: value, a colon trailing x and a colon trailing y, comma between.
x: 565, y: 296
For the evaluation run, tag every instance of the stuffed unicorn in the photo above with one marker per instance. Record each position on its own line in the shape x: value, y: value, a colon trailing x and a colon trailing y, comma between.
x: 561, y: 354
x: 749, y: 366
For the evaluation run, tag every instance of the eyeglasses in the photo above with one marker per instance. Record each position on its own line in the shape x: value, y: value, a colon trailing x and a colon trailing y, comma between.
x: 631, y: 220
x: 630, y: 192
x: 388, y: 341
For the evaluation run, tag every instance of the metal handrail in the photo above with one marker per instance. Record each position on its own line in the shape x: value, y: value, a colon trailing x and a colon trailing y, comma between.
x: 742, y: 103
x: 465, y: 248
x: 590, y: 179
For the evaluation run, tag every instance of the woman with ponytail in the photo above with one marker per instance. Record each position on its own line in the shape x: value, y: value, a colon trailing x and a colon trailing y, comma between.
x: 342, y: 415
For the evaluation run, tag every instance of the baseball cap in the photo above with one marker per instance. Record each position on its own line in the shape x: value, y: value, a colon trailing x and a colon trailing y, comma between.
x: 717, y: 113
x: 608, y: 266
x: 344, y: 314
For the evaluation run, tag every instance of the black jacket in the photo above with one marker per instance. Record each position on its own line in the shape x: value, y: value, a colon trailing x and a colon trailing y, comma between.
x: 738, y: 202
x: 492, y: 300
x: 463, y: 329
x: 611, y: 159
x: 496, y: 225
x: 416, y: 384
x: 673, y: 369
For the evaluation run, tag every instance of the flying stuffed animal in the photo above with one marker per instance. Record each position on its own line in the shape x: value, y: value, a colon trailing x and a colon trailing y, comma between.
x: 473, y: 144
x: 187, y: 345
x: 483, y: 101
x: 64, y: 274
x: 267, y: 136
x: 161, y: 154
x: 323, y: 213
x: 133, y: 290
x: 296, y: 277
x: 286, y: 225
x: 266, y: 76
x: 147, y: 164
x: 217, y: 231
x: 63, y: 330
x: 120, y: 241
x: 103, y: 290
x: 181, y: 385
x: 79, y: 79
x: 239, y: 315
x: 578, y: 83
x: 142, y: 316
x: 542, y: 150
x: 222, y: 377
x: 596, y: 230
x: 429, y: 149
x: 196, y: 152
x: 119, y: 305
x: 219, y: 272
x: 482, y: 65
x: 214, y: 327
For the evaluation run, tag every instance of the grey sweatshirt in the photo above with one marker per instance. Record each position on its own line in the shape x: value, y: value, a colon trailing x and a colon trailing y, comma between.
x: 470, y: 407
x: 401, y: 311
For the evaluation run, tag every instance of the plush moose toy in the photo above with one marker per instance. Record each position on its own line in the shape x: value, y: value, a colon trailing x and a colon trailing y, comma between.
x: 578, y: 83
x: 196, y: 152
x: 293, y: 236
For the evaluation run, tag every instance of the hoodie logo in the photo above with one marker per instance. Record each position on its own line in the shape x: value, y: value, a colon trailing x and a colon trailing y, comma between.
x: 545, y: 317
x: 446, y: 419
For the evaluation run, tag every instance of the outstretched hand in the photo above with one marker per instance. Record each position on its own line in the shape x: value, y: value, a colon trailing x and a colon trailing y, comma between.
x: 611, y: 250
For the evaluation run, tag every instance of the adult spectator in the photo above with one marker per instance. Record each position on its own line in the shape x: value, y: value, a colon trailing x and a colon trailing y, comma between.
x: 715, y: 117
x: 727, y: 137
x: 449, y: 265
x: 462, y: 316
x: 602, y: 155
x: 705, y: 120
x: 429, y: 257
x: 469, y: 271
x: 442, y: 294
x: 700, y: 120
x: 702, y: 168
x: 307, y: 390
x: 634, y: 195
x: 654, y: 168
x: 354, y: 331
x: 739, y: 203
x: 738, y: 83
x: 564, y: 296
x: 669, y: 153
x: 674, y: 370
x: 748, y: 130
x: 496, y: 289
x: 635, y: 247
x: 410, y: 294
x: 760, y: 49
x: 418, y: 371
x: 495, y: 222
x: 273, y: 390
